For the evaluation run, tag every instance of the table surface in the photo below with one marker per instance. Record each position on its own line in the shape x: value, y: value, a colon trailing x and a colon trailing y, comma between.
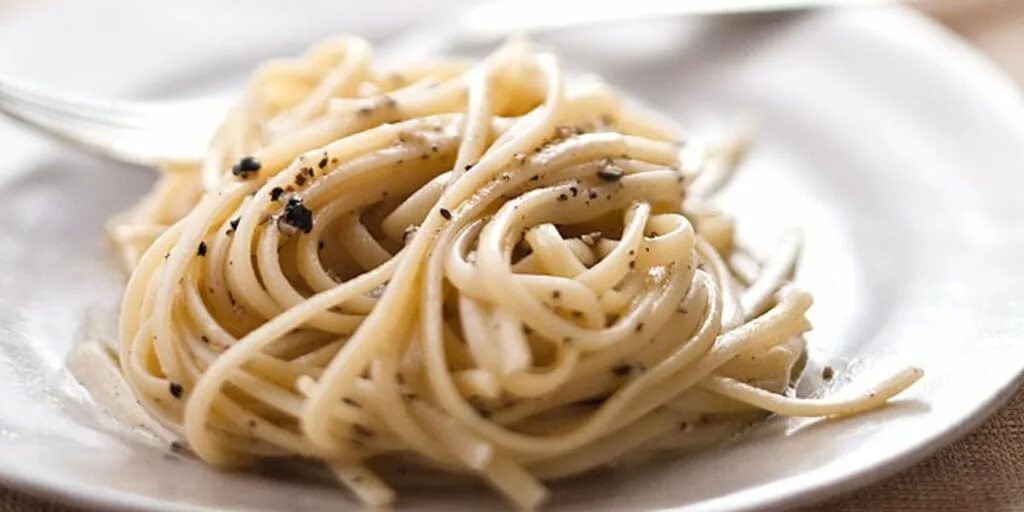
x: 985, y: 470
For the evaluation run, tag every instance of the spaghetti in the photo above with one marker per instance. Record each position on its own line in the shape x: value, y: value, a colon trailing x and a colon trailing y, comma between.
x: 480, y: 268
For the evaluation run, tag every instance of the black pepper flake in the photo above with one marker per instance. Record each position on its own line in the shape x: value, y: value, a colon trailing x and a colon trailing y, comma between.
x: 323, y: 163
x: 535, y: 177
x: 593, y: 402
x: 468, y: 167
x: 574, y: 191
x: 622, y: 370
x: 684, y: 425
x: 300, y: 180
x: 556, y: 294
x: 639, y: 327
x: 350, y: 401
x: 178, y: 447
x: 176, y: 389
x: 446, y: 214
x: 204, y: 338
x: 246, y: 167
x: 563, y: 197
x: 234, y: 223
x: 320, y: 245
x: 576, y: 313
x: 361, y: 430
x: 632, y: 264
x: 827, y: 373
x: 297, y: 216
x: 592, y: 194
x: 202, y: 249
x: 275, y: 193
x: 610, y: 173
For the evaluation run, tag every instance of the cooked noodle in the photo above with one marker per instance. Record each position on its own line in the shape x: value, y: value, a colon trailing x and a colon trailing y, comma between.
x: 482, y: 268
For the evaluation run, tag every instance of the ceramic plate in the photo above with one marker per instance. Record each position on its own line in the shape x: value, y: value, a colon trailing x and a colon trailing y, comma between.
x: 896, y: 149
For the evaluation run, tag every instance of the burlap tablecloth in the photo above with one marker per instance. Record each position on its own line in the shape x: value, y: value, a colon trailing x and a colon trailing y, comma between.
x: 982, y: 472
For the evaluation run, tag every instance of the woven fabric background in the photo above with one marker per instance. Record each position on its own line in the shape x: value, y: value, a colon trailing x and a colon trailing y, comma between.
x: 982, y: 472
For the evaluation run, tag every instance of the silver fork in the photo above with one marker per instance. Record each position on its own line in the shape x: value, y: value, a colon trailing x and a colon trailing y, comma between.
x: 143, y: 133
x: 148, y: 133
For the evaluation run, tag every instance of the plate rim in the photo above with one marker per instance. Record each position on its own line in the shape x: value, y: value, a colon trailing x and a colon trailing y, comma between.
x: 947, y: 49
x: 980, y: 73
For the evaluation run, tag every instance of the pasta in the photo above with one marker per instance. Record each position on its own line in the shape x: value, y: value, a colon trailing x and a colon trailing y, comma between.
x: 480, y: 268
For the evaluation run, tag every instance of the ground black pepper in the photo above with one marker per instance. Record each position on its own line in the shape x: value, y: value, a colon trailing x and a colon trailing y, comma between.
x: 610, y: 173
x: 246, y: 167
x: 297, y: 216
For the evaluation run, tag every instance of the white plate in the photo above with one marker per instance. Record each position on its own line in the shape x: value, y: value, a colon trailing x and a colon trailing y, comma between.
x: 899, y: 152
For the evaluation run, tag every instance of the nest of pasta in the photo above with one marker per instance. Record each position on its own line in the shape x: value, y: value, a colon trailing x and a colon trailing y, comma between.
x: 481, y: 267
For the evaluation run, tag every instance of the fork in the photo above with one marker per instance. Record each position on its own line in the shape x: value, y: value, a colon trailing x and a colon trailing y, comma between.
x: 143, y: 133
x: 149, y: 133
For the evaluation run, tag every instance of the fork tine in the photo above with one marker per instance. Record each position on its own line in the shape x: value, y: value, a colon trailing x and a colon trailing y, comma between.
x: 121, y: 143
x: 21, y: 97
x: 23, y: 90
x: 141, y: 133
